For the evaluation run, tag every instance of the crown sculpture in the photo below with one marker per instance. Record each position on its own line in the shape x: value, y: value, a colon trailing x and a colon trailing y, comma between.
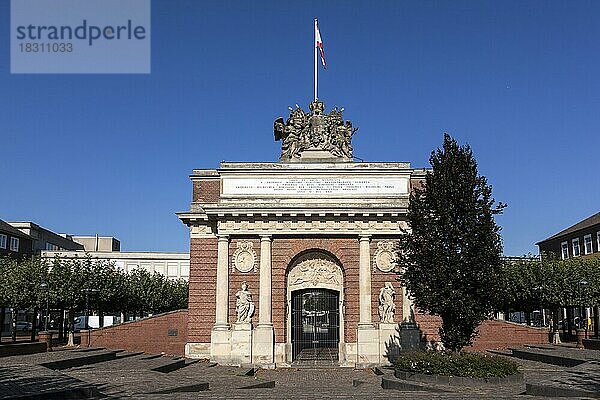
x: 314, y: 136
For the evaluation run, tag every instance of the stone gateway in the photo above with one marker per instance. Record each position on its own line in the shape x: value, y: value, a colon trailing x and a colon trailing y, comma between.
x: 294, y: 261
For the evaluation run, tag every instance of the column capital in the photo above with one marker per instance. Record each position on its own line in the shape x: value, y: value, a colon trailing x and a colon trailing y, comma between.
x: 364, y: 237
x: 221, y: 237
x: 264, y: 238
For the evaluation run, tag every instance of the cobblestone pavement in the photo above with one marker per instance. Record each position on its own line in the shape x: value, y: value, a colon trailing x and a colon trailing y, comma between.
x: 131, y: 376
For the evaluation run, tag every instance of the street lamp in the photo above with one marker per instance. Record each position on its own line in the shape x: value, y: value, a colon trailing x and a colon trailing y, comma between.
x: 540, y: 289
x: 87, y: 292
x: 46, y: 288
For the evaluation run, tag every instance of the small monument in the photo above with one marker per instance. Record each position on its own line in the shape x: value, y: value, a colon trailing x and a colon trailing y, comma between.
x: 409, y: 330
x: 315, y: 135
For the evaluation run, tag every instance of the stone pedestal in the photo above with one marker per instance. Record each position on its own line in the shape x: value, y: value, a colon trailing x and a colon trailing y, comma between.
x: 367, y: 347
x: 555, y: 337
x: 241, y: 344
x: 220, y: 349
x: 389, y: 343
x: 409, y: 336
x: 46, y: 337
x: 580, y: 337
x: 263, y: 346
x: 197, y: 350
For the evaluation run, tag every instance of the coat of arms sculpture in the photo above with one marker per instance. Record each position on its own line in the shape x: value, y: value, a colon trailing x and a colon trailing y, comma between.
x: 324, y: 135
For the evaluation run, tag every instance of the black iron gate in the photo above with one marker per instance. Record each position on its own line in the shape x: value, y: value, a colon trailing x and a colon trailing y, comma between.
x: 315, y: 326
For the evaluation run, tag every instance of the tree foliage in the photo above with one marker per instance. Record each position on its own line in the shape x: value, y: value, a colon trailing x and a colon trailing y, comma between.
x: 116, y: 291
x: 531, y: 283
x: 452, y: 253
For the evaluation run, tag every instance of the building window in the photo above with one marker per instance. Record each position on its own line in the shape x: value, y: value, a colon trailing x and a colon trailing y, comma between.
x: 576, y: 249
x: 565, y: 250
x: 51, y: 247
x: 14, y: 244
x: 587, y: 244
x: 4, y: 237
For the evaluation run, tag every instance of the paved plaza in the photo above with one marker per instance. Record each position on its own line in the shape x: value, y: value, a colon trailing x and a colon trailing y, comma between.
x: 100, y: 373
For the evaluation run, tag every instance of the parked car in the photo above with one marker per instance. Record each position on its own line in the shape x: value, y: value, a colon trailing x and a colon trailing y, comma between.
x: 23, y: 326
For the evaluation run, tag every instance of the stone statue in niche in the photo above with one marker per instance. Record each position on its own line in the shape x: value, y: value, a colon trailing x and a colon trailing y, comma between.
x: 244, y: 306
x: 387, y: 307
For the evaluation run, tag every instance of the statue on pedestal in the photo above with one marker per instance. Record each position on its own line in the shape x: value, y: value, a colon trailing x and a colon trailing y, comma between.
x: 387, y: 307
x: 244, y: 307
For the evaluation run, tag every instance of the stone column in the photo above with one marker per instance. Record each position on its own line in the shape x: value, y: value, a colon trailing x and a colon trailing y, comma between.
x: 222, y: 295
x: 220, y: 338
x: 264, y: 311
x: 367, y: 336
x: 364, y: 277
x: 263, y: 346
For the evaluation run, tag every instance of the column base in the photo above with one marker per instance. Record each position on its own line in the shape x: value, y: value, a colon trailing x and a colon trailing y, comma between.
x: 241, y: 344
x: 220, y: 345
x: 263, y: 346
x: 367, y: 347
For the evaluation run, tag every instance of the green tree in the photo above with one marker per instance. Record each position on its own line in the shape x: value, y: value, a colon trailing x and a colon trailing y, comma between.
x: 452, y: 253
x: 23, y: 288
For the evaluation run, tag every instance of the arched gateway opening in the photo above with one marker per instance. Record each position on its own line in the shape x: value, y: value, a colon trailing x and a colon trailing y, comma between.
x: 315, y: 297
x: 315, y: 325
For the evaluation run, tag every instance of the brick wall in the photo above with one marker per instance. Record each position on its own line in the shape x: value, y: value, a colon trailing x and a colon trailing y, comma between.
x: 163, y: 333
x: 346, y: 250
x: 498, y: 334
x: 206, y: 191
x: 202, y: 288
x: 493, y: 334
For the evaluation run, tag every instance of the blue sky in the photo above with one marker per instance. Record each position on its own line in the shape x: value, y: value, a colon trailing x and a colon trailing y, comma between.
x: 111, y: 154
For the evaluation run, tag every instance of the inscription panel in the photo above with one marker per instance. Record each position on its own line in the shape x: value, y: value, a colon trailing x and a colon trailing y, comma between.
x: 374, y: 186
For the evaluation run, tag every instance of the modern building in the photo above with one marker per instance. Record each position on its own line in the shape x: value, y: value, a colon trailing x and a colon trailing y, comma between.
x: 98, y: 243
x: 173, y: 265
x: 294, y: 260
x: 35, y: 239
x: 13, y: 242
x: 581, y: 239
x: 44, y: 239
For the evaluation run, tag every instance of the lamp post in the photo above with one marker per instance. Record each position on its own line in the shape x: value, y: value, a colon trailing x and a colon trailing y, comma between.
x: 540, y: 290
x: 581, y: 285
x: 46, y: 288
x: 87, y: 292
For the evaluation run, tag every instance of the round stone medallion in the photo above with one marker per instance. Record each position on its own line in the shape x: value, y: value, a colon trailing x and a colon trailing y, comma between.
x: 244, y: 258
x: 385, y: 257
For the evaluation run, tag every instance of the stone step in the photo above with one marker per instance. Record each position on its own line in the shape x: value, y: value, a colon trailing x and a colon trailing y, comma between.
x: 78, y: 360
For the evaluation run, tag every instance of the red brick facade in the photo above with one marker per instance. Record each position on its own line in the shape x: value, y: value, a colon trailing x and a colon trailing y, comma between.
x: 284, y: 251
x: 202, y: 288
x: 206, y: 191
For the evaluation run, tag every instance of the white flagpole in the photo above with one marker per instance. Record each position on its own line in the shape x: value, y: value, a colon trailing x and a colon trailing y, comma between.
x: 316, y: 55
